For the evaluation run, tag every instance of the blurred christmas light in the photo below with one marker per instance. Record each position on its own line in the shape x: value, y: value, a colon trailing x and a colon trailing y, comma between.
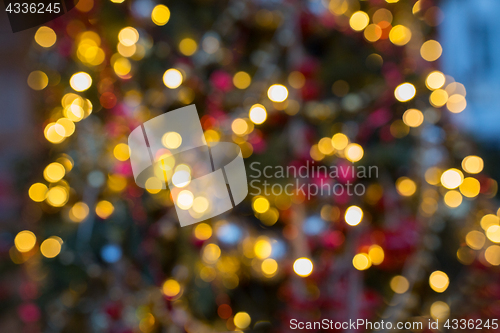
x: 38, y: 192
x: 413, y: 117
x: 171, y: 288
x: 435, y: 80
x: 79, y: 212
x: 361, y: 261
x: 51, y: 247
x: 188, y: 46
x: 439, y: 281
x: 257, y: 114
x: 303, y: 267
x: 185, y: 200
x: 492, y: 255
x: 470, y: 187
x: 203, y: 231
x: 359, y: 20
x: 45, y: 37
x: 172, y: 78
x: 354, y: 152
x: 261, y: 205
x: 25, y: 241
x: 38, y: 80
x: 340, y: 141
x: 277, y: 93
x: 405, y: 186
x: 54, y: 172
x: 431, y: 50
x: 242, y: 80
x: 353, y: 215
x: 400, y: 35
x: 440, y: 311
x: 160, y: 15
x: 80, y: 81
x: 57, y: 196
x: 104, y: 209
x: 399, y: 284
x: 452, y: 178
x: 121, y: 152
x: 473, y: 164
x: 128, y: 36
x: 475, y: 239
x: 242, y: 320
x: 453, y: 199
x: 376, y: 254
x: 405, y: 92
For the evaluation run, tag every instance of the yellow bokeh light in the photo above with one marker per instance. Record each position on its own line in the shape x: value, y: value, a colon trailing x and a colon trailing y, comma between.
x: 435, y: 80
x: 64, y: 127
x: 325, y: 146
x: 359, y: 20
x: 340, y: 141
x: 54, y: 172
x: 373, y: 32
x: 79, y: 212
x: 413, y: 117
x: 475, y: 240
x: 172, y: 78
x: 153, y: 185
x: 488, y: 220
x: 453, y: 199
x: 38, y: 80
x: 126, y: 51
x: 24, y: 241
x: 38, y: 192
x: 296, y: 79
x: 242, y: 320
x: 405, y: 186
x: 185, y: 200
x: 171, y: 140
x: 492, y: 255
x: 470, y: 187
x: 51, y: 247
x: 57, y: 196
x: 456, y: 103
x: 171, y: 288
x: 188, y: 46
x: 262, y: 248
x: 257, y: 114
x: 80, y: 81
x: 452, y: 178
x: 277, y: 93
x: 303, y: 267
x: 405, y: 92
x: 121, y: 152
x: 431, y: 50
x: 493, y: 233
x: 200, y: 205
x: 45, y: 37
x: 211, y: 253
x: 51, y: 134
x: 399, y: 284
x: 438, y: 98
x: 239, y: 126
x: 354, y: 152
x: 128, y: 36
x: 439, y: 281
x: 261, y: 205
x: 160, y: 15
x: 439, y: 310
x: 376, y: 254
x: 361, y: 261
x: 269, y: 267
x: 433, y: 175
x: 203, y: 231
x: 104, y: 209
x: 400, y: 35
x: 122, y: 67
x: 353, y: 215
x: 242, y: 80
x: 472, y: 164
